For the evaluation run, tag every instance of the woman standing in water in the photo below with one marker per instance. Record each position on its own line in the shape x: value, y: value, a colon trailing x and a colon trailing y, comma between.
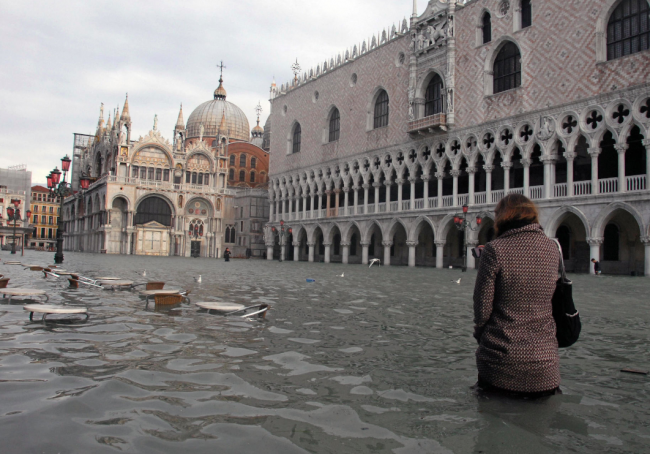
x: 513, y: 315
x: 226, y: 255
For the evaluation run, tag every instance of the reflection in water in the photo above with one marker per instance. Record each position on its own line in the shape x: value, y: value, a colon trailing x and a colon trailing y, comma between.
x: 381, y: 361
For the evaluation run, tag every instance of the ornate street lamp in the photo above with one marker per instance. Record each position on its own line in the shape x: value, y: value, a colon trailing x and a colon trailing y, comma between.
x: 13, y: 214
x: 463, y: 224
x: 61, y: 189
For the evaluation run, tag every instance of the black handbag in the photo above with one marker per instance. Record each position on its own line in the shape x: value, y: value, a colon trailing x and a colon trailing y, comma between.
x: 567, y: 318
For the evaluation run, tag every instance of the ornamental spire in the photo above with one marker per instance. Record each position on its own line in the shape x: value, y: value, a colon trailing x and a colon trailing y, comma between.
x: 180, y: 123
x: 125, y: 110
x: 220, y: 92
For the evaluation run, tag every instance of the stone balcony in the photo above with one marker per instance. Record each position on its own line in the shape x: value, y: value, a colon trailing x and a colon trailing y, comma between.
x: 428, y: 124
x: 157, y: 185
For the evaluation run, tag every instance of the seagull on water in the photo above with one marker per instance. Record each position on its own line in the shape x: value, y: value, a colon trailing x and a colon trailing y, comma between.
x: 373, y: 261
x: 144, y: 273
x: 458, y: 281
x: 198, y: 279
x: 342, y: 275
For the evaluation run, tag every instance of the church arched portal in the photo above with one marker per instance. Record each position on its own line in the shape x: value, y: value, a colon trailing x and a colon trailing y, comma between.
x: 153, y: 220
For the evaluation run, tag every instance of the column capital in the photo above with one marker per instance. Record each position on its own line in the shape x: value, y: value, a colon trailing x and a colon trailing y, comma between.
x: 345, y: 244
x: 296, y: 244
x: 506, y: 165
x: 440, y: 242
x: 327, y: 244
x: 376, y: 184
x: 593, y: 152
x: 328, y: 191
x: 337, y: 191
x: 440, y: 175
x: 411, y: 243
x: 595, y: 241
x: 387, y: 243
x: 621, y: 147
x: 426, y: 177
x: 346, y: 189
x: 472, y: 243
x: 548, y: 159
x: 311, y: 244
x: 569, y: 156
x: 645, y: 240
x: 455, y: 173
x: 471, y: 170
x: 646, y: 142
x: 399, y: 181
x: 365, y: 244
x: 412, y: 179
x: 525, y: 162
x: 388, y: 183
x: 488, y: 169
x: 269, y: 244
x: 365, y: 186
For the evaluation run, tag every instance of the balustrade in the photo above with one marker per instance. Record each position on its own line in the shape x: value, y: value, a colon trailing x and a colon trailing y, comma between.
x: 419, y: 204
x: 393, y: 206
x: 560, y: 190
x: 433, y: 202
x: 608, y: 185
x: 406, y: 205
x: 582, y: 187
x: 463, y: 199
x: 516, y: 191
x: 447, y: 200
x: 382, y: 207
x: 536, y: 192
x: 480, y: 198
x: 498, y: 195
x: 371, y: 208
x: 636, y: 183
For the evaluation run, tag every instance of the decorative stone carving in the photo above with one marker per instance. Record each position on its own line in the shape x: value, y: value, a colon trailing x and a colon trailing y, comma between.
x: 503, y: 8
x: 546, y: 128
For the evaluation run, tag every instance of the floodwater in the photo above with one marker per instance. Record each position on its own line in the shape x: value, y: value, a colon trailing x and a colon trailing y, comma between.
x: 378, y: 361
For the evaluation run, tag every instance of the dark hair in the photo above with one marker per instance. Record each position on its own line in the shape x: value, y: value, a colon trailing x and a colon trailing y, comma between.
x: 514, y: 210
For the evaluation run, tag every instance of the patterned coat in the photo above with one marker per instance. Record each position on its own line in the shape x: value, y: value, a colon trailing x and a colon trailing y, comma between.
x: 513, y: 315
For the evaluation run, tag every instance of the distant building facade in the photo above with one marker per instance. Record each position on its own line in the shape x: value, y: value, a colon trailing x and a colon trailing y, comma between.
x: 15, y: 184
x: 151, y: 196
x: 45, y: 218
x: 374, y: 152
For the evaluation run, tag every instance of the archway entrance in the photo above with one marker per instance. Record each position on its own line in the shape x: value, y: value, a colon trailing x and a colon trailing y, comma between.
x: 153, y: 222
x: 622, y: 251
x: 425, y: 251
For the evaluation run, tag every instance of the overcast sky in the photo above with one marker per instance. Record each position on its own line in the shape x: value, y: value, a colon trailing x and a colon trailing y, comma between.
x: 61, y: 59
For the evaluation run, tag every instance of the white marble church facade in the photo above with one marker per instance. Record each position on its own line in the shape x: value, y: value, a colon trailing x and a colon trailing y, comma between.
x: 375, y: 151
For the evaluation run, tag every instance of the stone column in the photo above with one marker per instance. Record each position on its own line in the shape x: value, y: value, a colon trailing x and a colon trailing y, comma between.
x: 471, y: 261
x: 455, y: 173
x: 296, y: 251
x: 346, y: 252
x: 488, y: 183
x: 388, y: 184
x: 320, y: 205
x: 506, y: 176
x: 376, y: 184
x: 646, y: 242
x: 285, y: 212
x: 328, y: 193
x: 272, y: 211
x: 313, y: 206
x: 364, y: 253
x: 594, y: 251
x: 278, y: 201
x: 594, y: 152
x: 526, y: 164
x: 304, y: 206
x: 387, y: 245
x: 327, y: 251
x: 311, y: 251
x: 346, y: 200
x: 411, y: 245
x: 646, y: 143
x: 549, y: 176
x: 440, y: 253
x: 412, y: 180
x: 622, y: 184
x: 269, y: 251
x: 470, y: 172
x: 356, y: 199
x: 440, y: 176
x: 337, y: 200
x: 283, y: 251
x: 569, y: 173
x: 365, y: 198
x: 399, y: 182
x: 290, y: 210
x: 425, y: 180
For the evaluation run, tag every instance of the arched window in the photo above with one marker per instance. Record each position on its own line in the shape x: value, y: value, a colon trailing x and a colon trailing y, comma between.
x: 335, y: 125
x: 610, y: 245
x: 487, y: 28
x: 150, y: 173
x: 253, y: 162
x: 381, y: 110
x: 135, y: 171
x: 242, y: 160
x: 193, y: 177
x: 188, y: 177
x: 231, y: 174
x: 252, y: 176
x: 507, y: 68
x: 200, y: 179
x: 242, y: 175
x: 154, y: 209
x: 297, y: 132
x: 526, y: 14
x: 232, y: 159
x: 628, y: 29
x: 433, y: 97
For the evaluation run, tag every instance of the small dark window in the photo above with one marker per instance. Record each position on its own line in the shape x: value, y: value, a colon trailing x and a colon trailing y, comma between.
x: 433, y: 97
x: 231, y: 174
x: 507, y: 68
x: 381, y: 110
x: 166, y: 175
x: 253, y: 177
x: 610, y: 245
x: 242, y: 175
x: 628, y: 29
x: 188, y: 177
x: 242, y: 160
x: 335, y: 125
x: 193, y: 177
x: 487, y: 28
x: 232, y: 159
x: 297, y: 132
x: 151, y: 173
x: 526, y: 14
x: 253, y: 163
x: 134, y: 173
x: 200, y: 179
x: 158, y: 174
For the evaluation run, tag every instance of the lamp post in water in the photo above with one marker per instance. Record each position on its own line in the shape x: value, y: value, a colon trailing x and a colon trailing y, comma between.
x: 463, y: 224
x: 13, y: 214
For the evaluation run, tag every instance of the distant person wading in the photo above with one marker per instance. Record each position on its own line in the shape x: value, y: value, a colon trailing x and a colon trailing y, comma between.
x: 226, y: 255
x: 513, y: 315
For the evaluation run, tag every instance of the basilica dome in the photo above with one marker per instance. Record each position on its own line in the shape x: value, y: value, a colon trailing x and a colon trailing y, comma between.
x: 218, y: 116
